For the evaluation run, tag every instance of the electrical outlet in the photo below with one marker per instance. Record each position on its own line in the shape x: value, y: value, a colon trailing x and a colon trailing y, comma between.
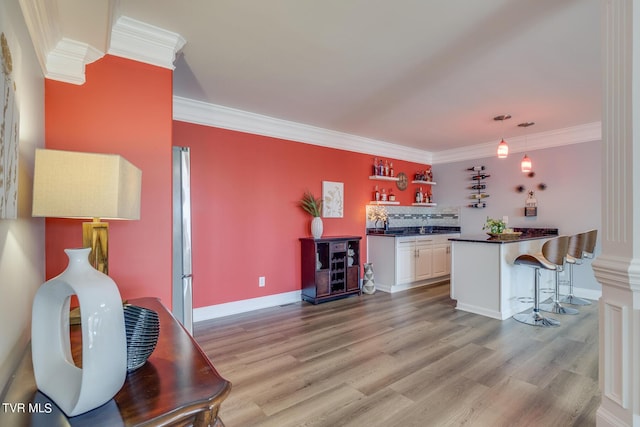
x: 261, y: 281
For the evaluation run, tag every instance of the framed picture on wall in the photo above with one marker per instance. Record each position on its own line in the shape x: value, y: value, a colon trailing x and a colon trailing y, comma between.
x: 8, y: 136
x: 332, y: 199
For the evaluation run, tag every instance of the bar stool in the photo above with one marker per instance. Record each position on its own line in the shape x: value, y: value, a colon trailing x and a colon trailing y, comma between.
x: 551, y: 258
x: 590, y: 244
x: 577, y: 245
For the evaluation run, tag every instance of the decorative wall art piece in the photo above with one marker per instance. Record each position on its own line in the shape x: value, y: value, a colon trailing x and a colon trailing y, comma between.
x: 9, y: 127
x: 332, y: 199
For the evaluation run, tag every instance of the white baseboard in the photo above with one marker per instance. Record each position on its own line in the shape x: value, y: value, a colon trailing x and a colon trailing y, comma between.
x: 469, y: 308
x: 398, y: 288
x: 243, y: 306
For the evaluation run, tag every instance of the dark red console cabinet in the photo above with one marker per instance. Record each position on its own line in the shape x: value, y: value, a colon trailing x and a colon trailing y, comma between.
x: 330, y: 268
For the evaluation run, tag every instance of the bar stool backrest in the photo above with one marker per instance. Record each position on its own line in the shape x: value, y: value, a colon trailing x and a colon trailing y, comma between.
x: 590, y: 243
x: 555, y: 250
x: 577, y: 245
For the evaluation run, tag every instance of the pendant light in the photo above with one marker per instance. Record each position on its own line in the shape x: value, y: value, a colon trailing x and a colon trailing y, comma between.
x: 525, y: 164
x: 503, y: 148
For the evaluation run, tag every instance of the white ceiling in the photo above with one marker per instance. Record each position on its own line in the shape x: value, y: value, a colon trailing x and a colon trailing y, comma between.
x: 428, y: 74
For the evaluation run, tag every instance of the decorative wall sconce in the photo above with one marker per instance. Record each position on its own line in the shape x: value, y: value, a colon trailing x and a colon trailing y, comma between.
x: 503, y: 148
x: 542, y: 186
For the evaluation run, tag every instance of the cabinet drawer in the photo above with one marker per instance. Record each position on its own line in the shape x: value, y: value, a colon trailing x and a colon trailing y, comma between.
x: 339, y: 247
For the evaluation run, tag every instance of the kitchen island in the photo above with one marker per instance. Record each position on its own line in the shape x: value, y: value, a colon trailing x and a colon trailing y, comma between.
x: 484, y: 279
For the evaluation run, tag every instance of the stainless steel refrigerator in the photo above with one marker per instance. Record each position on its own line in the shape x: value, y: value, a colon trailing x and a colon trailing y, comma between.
x: 182, y: 299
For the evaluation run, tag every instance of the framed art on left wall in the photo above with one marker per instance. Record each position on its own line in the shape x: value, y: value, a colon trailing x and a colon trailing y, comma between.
x: 332, y: 199
x: 9, y: 127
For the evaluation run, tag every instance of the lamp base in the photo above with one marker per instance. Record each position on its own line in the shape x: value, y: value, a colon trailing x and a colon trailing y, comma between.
x: 95, y: 235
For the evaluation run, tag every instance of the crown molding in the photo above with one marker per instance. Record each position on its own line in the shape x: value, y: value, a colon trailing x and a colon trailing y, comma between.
x: 60, y: 58
x: 203, y: 113
x: 206, y: 114
x: 146, y: 43
x: 67, y: 61
x: 41, y: 18
x: 535, y: 141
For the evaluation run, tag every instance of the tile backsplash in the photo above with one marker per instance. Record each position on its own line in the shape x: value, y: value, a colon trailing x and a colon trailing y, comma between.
x: 418, y: 216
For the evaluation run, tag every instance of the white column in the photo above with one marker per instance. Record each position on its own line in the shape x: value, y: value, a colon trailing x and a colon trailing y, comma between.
x: 617, y: 268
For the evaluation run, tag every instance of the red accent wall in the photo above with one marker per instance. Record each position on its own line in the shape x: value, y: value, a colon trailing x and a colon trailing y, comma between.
x: 125, y: 107
x: 246, y: 220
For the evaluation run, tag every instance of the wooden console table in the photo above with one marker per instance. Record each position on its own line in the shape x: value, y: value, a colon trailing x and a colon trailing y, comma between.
x: 177, y: 385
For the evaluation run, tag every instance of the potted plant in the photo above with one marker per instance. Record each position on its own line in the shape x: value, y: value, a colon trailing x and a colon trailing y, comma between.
x: 313, y: 206
x: 495, y: 226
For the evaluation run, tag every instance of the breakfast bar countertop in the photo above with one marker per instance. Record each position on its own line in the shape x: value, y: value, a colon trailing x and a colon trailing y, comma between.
x: 527, y: 234
x: 486, y: 239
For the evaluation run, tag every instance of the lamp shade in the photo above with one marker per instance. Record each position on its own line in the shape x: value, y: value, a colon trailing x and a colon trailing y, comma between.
x: 525, y: 165
x: 503, y: 150
x: 69, y: 184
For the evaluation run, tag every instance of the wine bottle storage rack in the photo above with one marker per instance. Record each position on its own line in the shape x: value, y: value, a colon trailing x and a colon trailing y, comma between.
x: 478, y: 196
x: 330, y: 268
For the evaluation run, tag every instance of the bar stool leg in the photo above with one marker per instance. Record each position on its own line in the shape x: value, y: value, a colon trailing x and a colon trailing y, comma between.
x: 534, y: 318
x: 555, y: 306
x: 570, y: 298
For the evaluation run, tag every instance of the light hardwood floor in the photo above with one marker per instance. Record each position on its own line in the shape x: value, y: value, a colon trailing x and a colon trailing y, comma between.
x: 403, y: 359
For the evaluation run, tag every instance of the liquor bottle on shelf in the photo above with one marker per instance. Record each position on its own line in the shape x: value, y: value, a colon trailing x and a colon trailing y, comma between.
x: 478, y: 205
x: 380, y: 168
x: 391, y: 171
x: 419, y: 195
x: 386, y: 168
x: 383, y: 195
x: 375, y: 166
x: 376, y: 194
x: 476, y: 168
x: 480, y: 176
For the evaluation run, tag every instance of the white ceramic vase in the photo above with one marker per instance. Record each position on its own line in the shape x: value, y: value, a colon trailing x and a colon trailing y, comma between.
x: 104, y: 345
x: 316, y: 227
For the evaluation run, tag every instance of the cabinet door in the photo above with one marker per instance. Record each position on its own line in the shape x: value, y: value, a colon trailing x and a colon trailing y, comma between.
x: 441, y: 257
x: 322, y: 283
x: 405, y: 262
x: 353, y: 278
x: 424, y: 253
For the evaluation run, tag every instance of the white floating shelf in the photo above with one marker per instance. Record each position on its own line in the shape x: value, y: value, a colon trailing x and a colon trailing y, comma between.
x: 424, y: 204
x: 423, y: 182
x: 384, y: 178
x: 384, y: 203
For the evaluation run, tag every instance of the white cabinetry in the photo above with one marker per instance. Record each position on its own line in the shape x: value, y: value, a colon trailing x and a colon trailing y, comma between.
x: 441, y: 259
x: 413, y: 260
x: 403, y: 262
